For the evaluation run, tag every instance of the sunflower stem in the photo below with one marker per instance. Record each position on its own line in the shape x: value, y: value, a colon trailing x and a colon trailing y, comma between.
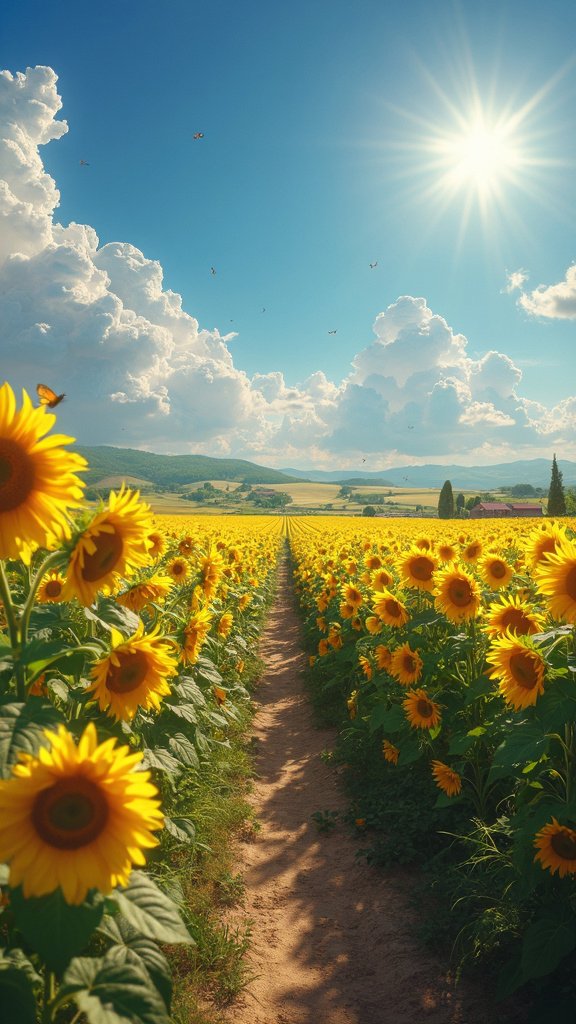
x: 52, y: 560
x: 48, y: 996
x: 13, y: 631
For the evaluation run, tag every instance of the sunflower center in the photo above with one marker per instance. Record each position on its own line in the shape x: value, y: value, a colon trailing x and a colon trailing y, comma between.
x: 571, y: 584
x: 108, y: 552
x: 516, y: 620
x: 129, y: 674
x: 53, y: 588
x: 71, y: 813
x: 178, y: 569
x: 460, y: 593
x: 524, y: 671
x: 393, y: 608
x: 472, y: 551
x: 424, y: 708
x: 564, y: 845
x: 422, y: 569
x: 409, y: 663
x: 17, y: 475
x: 498, y: 570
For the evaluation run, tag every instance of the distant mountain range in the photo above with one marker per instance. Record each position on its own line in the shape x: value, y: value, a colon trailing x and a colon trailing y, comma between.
x: 485, y: 478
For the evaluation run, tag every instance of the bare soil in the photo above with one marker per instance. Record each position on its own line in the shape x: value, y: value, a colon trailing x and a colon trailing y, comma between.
x: 333, y: 938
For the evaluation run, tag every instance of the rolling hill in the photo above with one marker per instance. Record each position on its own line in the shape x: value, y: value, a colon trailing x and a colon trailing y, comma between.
x: 482, y: 478
x: 164, y: 470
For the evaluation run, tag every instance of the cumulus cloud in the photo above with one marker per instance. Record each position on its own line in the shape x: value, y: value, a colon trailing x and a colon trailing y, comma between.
x: 96, y: 321
x: 555, y: 301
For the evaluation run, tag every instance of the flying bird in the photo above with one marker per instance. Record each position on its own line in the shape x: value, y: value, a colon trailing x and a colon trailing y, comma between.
x: 333, y: 332
x: 48, y: 397
x: 372, y: 265
x: 405, y: 477
x: 84, y: 164
x: 410, y: 427
x: 263, y: 309
x: 212, y: 269
x: 363, y: 460
x: 199, y: 135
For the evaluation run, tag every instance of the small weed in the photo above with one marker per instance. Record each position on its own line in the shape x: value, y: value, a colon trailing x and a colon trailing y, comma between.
x: 325, y: 821
x: 231, y: 889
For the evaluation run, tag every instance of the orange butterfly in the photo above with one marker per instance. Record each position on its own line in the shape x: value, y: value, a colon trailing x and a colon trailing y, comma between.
x: 48, y: 397
x: 199, y: 135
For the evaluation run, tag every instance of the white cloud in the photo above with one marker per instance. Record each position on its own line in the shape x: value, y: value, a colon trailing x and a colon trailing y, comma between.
x: 96, y: 321
x: 515, y: 280
x: 556, y: 301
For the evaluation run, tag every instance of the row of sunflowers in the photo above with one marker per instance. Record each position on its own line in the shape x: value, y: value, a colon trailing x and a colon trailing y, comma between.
x: 453, y: 657
x: 123, y: 641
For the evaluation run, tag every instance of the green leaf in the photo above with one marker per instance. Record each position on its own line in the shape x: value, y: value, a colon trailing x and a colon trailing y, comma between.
x: 207, y: 670
x: 184, y: 750
x: 526, y: 743
x: 17, y: 976
x: 181, y: 828
x: 130, y: 946
x: 189, y: 689
x: 57, y: 930
x: 394, y: 719
x: 185, y: 711
x: 109, y: 992
x: 160, y: 758
x: 22, y: 729
x: 511, y: 978
x: 410, y: 751
x: 150, y: 911
x: 109, y: 613
x: 448, y: 801
x: 546, y: 943
x: 555, y: 708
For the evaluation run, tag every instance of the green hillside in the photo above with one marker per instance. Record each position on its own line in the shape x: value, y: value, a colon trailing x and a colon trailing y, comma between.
x: 166, y: 470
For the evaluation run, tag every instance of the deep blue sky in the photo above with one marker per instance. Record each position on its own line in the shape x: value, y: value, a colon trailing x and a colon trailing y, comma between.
x: 299, y: 184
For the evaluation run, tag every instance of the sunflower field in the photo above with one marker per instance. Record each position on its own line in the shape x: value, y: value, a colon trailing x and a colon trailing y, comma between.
x: 446, y: 653
x: 124, y: 641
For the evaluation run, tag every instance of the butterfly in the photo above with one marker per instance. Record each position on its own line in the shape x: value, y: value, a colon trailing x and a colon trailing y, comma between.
x: 212, y: 269
x: 84, y: 164
x: 199, y: 135
x: 48, y: 397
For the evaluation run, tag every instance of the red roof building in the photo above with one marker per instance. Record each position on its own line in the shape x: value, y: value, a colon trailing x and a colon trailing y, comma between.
x: 497, y: 510
x: 525, y: 509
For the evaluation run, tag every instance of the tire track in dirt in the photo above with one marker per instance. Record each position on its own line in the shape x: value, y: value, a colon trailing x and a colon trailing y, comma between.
x: 331, y: 941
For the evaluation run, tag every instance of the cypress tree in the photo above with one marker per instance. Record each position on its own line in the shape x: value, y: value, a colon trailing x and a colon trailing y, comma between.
x: 556, y: 499
x: 446, y: 502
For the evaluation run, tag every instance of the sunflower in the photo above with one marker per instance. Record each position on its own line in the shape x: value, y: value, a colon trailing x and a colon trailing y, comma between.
x: 556, y: 579
x: 417, y: 569
x: 373, y: 624
x: 141, y: 594
x: 243, y: 602
x: 372, y: 561
x: 134, y: 674
x: 511, y: 613
x: 519, y: 668
x: 157, y: 544
x: 346, y: 610
x: 391, y: 753
x: 50, y: 589
x: 495, y: 571
x: 557, y: 848
x: 389, y: 610
x: 77, y: 817
x: 38, y: 481
x: 406, y: 665
x: 356, y: 623
x: 334, y: 636
x: 353, y: 704
x: 365, y: 666
x: 421, y: 712
x: 225, y: 624
x: 382, y: 580
x: 446, y: 552
x: 178, y: 569
x: 448, y: 780
x: 323, y: 647
x: 472, y: 551
x: 211, y: 570
x: 457, y: 593
x: 353, y: 597
x: 195, y: 634
x: 220, y: 695
x: 384, y: 658
x: 114, y: 542
x: 543, y: 542
x: 186, y: 546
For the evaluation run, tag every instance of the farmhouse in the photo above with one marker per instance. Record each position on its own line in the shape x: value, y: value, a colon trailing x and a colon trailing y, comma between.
x: 498, y: 509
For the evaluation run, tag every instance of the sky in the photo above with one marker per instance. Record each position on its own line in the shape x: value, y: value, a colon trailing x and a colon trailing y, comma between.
x: 366, y: 260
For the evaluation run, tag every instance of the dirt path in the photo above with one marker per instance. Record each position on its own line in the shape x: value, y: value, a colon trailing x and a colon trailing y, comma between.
x: 331, y: 943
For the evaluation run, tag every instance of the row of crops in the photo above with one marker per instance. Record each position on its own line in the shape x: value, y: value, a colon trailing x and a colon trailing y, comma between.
x: 123, y: 646
x: 449, y: 660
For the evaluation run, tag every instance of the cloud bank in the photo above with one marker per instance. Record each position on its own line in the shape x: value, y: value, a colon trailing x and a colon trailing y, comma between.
x: 96, y: 321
